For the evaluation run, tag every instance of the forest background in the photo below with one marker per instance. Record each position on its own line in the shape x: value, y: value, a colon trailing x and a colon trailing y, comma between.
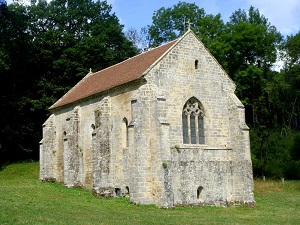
x: 46, y: 48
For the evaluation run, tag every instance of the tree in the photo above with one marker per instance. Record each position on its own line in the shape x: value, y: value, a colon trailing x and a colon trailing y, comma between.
x: 45, y: 49
x: 73, y: 36
x: 252, y: 50
x: 138, y: 39
x: 170, y: 23
x: 291, y: 74
x: 15, y: 47
x: 252, y: 40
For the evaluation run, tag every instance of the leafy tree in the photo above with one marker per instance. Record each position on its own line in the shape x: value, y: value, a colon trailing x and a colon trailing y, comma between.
x: 252, y: 40
x: 280, y: 148
x: 45, y: 49
x: 73, y: 36
x: 291, y: 75
x: 138, y: 39
x: 171, y: 23
x: 15, y: 47
x: 252, y: 45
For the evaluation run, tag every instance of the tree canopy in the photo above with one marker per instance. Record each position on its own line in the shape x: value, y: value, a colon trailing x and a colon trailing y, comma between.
x: 171, y: 23
x: 46, y: 48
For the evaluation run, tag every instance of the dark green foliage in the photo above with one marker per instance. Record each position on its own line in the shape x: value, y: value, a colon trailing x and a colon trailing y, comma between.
x: 291, y: 79
x: 275, y: 155
x: 170, y: 23
x: 295, y: 149
x: 15, y: 67
x: 73, y: 36
x: 45, y: 49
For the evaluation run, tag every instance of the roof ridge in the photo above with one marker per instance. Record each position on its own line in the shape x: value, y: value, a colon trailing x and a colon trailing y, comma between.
x: 148, y: 51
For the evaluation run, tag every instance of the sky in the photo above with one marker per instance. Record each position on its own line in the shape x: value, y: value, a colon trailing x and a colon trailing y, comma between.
x: 283, y: 14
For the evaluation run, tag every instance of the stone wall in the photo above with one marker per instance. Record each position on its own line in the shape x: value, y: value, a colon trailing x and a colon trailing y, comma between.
x: 201, y: 176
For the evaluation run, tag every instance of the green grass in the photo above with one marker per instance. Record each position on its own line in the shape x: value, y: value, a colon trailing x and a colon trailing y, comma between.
x: 25, y: 200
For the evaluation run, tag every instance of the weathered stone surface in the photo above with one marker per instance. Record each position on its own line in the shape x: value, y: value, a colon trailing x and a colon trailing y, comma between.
x: 106, y: 192
x: 128, y: 141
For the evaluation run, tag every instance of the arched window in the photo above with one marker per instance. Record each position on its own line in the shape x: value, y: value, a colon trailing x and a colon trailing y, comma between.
x: 125, y: 133
x: 192, y: 122
x: 199, y: 194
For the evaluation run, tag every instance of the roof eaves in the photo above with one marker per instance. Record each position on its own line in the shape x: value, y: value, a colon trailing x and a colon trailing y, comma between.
x: 131, y: 82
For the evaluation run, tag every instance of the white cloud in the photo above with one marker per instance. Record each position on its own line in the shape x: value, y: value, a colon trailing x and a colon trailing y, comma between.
x: 26, y: 2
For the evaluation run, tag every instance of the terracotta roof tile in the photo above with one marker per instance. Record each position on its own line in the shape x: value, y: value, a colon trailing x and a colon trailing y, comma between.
x: 121, y: 73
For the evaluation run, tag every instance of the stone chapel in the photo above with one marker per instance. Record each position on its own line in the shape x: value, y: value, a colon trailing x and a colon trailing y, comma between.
x: 163, y: 127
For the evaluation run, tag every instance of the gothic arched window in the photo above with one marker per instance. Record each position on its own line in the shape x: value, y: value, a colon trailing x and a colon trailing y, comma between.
x: 192, y: 122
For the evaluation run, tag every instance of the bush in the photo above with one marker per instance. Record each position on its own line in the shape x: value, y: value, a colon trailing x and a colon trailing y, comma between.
x: 293, y: 170
x: 280, y: 154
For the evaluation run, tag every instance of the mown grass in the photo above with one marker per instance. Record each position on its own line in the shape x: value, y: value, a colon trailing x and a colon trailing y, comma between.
x: 25, y: 200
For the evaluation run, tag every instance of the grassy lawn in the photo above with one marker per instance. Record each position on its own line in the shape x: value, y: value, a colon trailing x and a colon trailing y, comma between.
x: 25, y: 200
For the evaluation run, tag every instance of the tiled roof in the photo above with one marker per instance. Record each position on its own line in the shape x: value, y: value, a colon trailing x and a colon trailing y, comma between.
x: 121, y: 73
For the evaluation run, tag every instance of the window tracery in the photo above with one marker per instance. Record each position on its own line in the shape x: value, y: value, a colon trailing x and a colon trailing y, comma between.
x: 192, y: 122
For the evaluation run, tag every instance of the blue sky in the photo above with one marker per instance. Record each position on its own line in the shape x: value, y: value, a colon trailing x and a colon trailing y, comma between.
x: 284, y: 14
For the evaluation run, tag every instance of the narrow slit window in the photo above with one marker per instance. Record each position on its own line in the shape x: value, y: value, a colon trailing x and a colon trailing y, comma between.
x: 196, y: 63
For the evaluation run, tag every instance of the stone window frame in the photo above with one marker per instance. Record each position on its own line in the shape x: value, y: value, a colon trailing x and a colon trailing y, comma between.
x: 193, y: 122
